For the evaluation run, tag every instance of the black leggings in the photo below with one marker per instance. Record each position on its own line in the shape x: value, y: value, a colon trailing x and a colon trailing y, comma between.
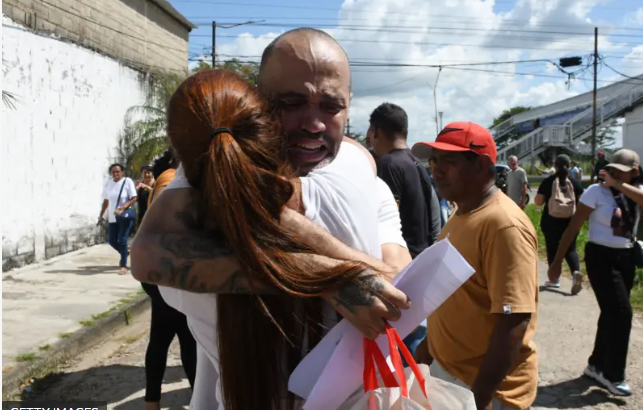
x: 611, y: 273
x: 166, y: 323
x: 553, y: 232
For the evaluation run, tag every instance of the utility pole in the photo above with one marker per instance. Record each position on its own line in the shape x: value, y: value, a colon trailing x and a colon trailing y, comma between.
x: 214, y: 41
x: 348, y: 128
x: 440, y: 114
x: 435, y: 101
x: 594, y: 102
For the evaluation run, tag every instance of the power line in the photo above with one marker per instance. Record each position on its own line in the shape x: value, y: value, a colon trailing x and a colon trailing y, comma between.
x: 289, y: 6
x: 639, y: 78
x: 405, y: 29
x: 511, y: 22
x: 424, y: 43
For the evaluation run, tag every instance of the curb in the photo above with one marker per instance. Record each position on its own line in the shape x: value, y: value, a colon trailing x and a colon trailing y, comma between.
x: 81, y: 341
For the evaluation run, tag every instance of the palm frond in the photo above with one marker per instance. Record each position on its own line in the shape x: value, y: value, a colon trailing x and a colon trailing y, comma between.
x: 9, y: 99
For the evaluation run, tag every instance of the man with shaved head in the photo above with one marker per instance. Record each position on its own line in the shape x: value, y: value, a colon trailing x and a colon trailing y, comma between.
x: 305, y: 75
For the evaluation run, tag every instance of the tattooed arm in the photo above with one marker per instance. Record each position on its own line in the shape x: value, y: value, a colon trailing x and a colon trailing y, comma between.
x: 169, y: 251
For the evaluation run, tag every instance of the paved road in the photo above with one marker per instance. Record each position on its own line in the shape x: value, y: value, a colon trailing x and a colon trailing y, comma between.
x: 565, y: 337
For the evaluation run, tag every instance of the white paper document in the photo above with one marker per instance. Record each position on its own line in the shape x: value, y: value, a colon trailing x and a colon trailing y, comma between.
x: 332, y: 371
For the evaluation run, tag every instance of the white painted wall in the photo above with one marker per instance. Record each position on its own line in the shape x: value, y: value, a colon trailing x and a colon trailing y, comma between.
x: 58, y: 141
x: 633, y: 130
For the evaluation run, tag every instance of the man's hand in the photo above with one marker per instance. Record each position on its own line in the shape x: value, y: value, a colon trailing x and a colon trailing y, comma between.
x: 368, y: 303
x: 422, y: 354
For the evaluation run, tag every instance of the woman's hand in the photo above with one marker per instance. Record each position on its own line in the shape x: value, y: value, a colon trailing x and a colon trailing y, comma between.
x: 100, y: 221
x: 608, y: 180
x: 368, y: 303
x: 118, y: 211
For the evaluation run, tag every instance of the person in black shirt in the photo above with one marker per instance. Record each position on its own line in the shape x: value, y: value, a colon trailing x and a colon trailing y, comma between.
x: 143, y: 189
x: 407, y: 178
x: 600, y: 165
x: 552, y: 227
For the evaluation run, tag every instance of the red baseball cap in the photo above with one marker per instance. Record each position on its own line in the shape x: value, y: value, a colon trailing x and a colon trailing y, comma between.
x: 461, y: 137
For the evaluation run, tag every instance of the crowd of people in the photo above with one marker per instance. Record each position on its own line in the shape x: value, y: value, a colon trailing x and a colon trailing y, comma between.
x: 274, y: 225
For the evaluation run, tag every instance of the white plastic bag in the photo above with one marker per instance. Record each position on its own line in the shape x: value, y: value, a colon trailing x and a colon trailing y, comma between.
x: 416, y: 391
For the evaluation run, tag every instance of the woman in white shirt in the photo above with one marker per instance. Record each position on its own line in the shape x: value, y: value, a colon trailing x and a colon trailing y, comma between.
x: 613, y: 208
x: 119, y: 194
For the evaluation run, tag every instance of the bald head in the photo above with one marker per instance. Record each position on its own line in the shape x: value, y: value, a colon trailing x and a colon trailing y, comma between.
x: 303, y: 43
x: 306, y: 77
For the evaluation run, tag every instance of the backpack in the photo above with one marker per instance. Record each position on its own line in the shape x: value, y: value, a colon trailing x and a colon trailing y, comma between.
x: 562, y: 202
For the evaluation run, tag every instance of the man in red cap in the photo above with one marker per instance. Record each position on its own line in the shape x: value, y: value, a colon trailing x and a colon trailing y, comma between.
x: 481, y: 337
x: 600, y: 165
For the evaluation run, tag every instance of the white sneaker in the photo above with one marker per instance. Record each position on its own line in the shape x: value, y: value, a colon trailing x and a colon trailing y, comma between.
x: 552, y: 284
x: 593, y: 373
x: 577, y: 283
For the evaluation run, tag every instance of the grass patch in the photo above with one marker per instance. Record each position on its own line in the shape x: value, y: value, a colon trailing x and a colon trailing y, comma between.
x: 44, y: 347
x: 104, y: 314
x: 535, y: 213
x: 25, y: 357
x: 65, y: 335
x: 87, y: 323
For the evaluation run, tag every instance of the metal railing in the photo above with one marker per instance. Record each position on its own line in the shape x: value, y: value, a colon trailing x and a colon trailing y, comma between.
x: 574, y: 130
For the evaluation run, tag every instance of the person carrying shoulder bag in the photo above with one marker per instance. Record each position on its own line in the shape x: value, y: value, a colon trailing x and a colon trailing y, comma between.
x: 119, y: 194
x: 613, y: 208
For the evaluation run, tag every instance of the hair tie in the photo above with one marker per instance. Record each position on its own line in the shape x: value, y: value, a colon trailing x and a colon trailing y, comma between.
x: 221, y: 130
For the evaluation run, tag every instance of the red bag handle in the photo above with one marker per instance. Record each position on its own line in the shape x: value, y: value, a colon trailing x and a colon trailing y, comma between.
x: 373, y: 352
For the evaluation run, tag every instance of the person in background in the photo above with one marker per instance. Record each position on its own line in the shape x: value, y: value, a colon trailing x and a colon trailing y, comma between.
x: 599, y: 166
x: 119, y: 194
x: 411, y: 186
x: 166, y: 322
x: 517, y: 183
x: 575, y: 173
x: 445, y: 207
x: 560, y: 194
x: 481, y: 337
x: 403, y: 173
x: 143, y: 189
x: 164, y: 171
x: 613, y: 208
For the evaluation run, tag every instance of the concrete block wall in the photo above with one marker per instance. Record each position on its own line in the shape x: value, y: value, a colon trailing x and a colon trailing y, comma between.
x: 136, y: 31
x: 58, y: 142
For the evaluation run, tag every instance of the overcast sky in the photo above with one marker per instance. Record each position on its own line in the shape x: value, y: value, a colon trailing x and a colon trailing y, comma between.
x: 430, y: 32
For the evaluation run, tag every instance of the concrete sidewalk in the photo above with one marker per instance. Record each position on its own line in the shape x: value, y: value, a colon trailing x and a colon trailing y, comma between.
x: 47, y: 302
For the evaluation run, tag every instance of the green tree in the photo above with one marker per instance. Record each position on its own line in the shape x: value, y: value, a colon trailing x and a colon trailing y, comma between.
x: 508, y: 113
x: 248, y: 71
x: 143, y: 137
x: 359, y: 137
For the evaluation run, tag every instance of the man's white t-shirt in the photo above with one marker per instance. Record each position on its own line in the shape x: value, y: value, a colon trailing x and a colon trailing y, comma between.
x: 110, y: 192
x: 601, y: 200
x: 346, y: 198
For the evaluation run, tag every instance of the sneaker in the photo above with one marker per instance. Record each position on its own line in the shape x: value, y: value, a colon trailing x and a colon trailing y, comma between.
x: 552, y: 284
x: 577, y: 283
x: 616, y: 388
x: 619, y: 388
x: 593, y: 373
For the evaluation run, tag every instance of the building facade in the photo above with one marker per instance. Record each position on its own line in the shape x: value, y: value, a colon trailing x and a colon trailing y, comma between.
x: 74, y: 68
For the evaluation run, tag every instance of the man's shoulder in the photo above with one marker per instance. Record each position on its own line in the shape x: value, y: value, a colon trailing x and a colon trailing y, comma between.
x: 503, y: 213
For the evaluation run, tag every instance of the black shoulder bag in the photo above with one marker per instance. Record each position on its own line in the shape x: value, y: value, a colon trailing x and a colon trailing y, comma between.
x: 128, y: 214
x: 625, y: 227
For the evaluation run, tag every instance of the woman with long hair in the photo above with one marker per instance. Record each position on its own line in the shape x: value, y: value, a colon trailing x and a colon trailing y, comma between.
x: 553, y: 191
x: 234, y: 157
x: 613, y: 208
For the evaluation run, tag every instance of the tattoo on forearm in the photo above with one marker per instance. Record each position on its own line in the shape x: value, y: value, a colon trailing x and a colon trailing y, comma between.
x: 181, y: 277
x: 195, y: 245
x: 359, y: 293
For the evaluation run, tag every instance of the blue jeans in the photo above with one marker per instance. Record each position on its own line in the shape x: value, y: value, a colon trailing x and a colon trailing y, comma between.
x: 117, y: 236
x: 413, y: 340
